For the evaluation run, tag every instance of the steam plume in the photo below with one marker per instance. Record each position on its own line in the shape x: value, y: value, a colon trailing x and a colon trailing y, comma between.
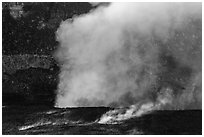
x: 129, y: 53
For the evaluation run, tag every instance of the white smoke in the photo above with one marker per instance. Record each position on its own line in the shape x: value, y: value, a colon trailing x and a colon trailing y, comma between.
x: 110, y: 56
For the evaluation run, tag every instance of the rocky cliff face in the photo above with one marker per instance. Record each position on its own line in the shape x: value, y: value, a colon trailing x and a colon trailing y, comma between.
x: 13, y: 63
x: 30, y: 72
x: 29, y: 79
x: 29, y: 28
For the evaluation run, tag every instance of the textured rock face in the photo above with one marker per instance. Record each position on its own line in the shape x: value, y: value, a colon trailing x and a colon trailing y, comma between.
x: 29, y: 78
x: 28, y: 41
x: 29, y: 28
x: 13, y: 63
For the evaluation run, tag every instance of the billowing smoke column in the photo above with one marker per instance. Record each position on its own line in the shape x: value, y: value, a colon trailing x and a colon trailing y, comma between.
x: 144, y: 56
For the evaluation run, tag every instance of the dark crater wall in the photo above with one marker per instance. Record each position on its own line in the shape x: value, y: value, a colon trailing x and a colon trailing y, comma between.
x: 29, y: 70
x: 29, y: 82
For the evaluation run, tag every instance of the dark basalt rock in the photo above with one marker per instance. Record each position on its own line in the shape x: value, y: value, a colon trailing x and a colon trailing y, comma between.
x: 28, y: 43
x: 33, y: 85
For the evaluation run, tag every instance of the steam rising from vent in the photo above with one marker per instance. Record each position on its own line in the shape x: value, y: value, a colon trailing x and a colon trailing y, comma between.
x: 127, y: 54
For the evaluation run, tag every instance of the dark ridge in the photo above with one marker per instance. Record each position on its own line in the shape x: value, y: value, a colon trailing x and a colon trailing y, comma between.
x: 170, y: 122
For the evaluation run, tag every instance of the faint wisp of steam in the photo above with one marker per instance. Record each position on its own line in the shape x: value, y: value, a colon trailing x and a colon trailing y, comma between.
x: 125, y: 53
